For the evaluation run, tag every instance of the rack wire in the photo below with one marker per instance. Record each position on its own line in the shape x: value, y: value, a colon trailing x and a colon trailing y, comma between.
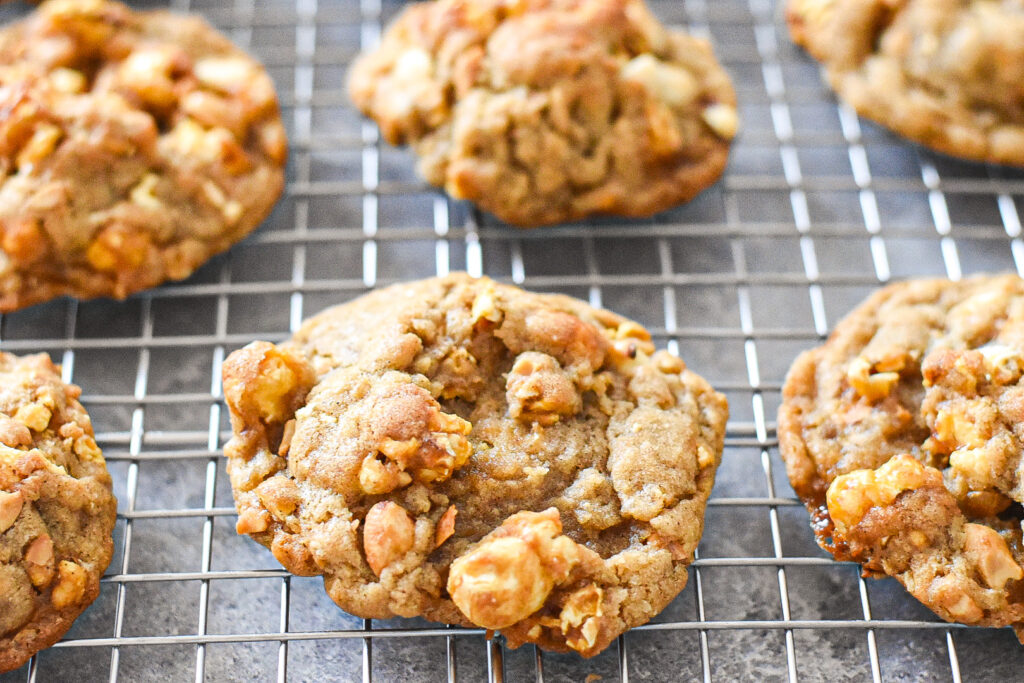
x: 816, y: 209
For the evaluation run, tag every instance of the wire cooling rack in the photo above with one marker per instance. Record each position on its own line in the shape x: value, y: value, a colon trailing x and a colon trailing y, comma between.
x: 816, y: 209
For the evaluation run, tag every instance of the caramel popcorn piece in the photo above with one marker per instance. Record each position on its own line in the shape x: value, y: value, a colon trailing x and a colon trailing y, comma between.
x: 35, y: 416
x: 388, y: 534
x: 539, y: 390
x: 252, y: 521
x: 431, y: 458
x: 871, y: 385
x: 266, y: 382
x: 509, y: 574
x: 580, y: 618
x: 70, y: 586
x: 485, y: 308
x: 850, y: 496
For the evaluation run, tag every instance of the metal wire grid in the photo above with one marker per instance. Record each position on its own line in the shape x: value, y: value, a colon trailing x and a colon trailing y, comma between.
x: 816, y: 209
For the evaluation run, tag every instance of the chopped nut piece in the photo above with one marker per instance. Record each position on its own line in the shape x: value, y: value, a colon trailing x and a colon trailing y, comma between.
x: 723, y: 119
x: 509, y: 574
x: 388, y: 534
x: 668, y: 363
x: 965, y: 610
x: 989, y: 553
x: 68, y: 80
x: 669, y: 83
x: 286, y: 438
x: 70, y: 585
x: 484, y: 308
x: 10, y: 508
x: 143, y: 193
x: 445, y: 526
x: 39, y: 561
x: 226, y: 74
x: 705, y: 458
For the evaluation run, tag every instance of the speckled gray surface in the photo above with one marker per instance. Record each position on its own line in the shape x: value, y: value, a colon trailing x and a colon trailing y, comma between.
x: 815, y: 208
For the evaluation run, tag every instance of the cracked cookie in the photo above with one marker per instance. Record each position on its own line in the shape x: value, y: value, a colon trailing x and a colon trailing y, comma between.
x: 948, y: 74
x: 903, y: 436
x: 542, y: 111
x: 475, y: 454
x: 57, y: 509
x: 133, y: 146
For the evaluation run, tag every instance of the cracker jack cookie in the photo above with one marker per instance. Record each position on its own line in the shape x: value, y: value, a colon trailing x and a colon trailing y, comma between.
x: 57, y: 509
x: 903, y: 433
x: 133, y: 146
x: 948, y: 74
x: 475, y: 454
x: 542, y: 111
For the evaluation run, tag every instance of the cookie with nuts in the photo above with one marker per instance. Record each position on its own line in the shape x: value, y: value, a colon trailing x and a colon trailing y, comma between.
x: 133, y: 146
x: 57, y: 509
x: 475, y: 454
x: 903, y: 435
x: 945, y: 73
x: 543, y: 111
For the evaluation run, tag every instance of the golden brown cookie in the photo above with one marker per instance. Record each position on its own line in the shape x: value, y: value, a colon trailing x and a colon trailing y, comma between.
x: 56, y: 508
x: 475, y: 454
x: 948, y: 74
x: 133, y: 146
x: 543, y: 111
x: 903, y: 435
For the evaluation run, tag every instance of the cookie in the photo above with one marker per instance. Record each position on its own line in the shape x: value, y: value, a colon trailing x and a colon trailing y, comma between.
x: 542, y: 111
x: 903, y: 433
x: 475, y: 454
x: 945, y: 73
x: 56, y: 508
x: 133, y: 146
